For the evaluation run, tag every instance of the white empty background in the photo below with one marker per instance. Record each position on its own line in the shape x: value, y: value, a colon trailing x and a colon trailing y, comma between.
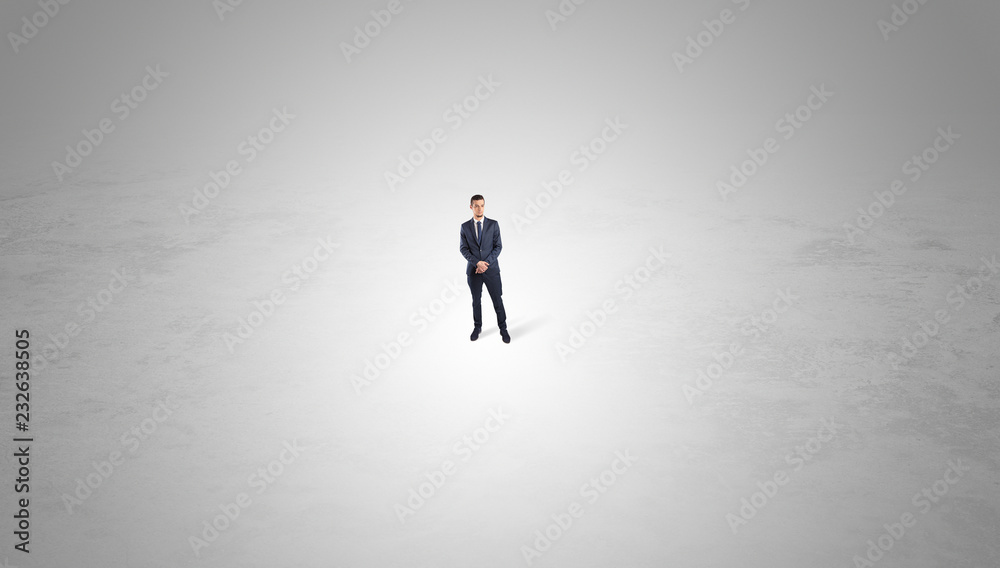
x: 193, y: 279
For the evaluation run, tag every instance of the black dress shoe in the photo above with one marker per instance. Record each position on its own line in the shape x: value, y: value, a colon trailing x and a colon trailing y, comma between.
x: 505, y: 335
x: 475, y: 334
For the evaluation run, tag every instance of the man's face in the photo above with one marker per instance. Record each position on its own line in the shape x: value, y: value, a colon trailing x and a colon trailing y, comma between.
x: 478, y: 207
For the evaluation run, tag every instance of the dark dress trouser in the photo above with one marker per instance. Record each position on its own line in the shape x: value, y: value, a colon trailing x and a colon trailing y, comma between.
x: 493, y: 285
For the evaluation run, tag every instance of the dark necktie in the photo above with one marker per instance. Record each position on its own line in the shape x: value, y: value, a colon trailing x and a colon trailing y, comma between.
x: 479, y: 232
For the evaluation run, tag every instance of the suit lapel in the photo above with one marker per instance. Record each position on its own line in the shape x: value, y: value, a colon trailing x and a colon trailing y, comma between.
x: 470, y: 230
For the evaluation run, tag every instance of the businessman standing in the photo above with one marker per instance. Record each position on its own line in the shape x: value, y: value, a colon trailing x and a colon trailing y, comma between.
x: 479, y: 242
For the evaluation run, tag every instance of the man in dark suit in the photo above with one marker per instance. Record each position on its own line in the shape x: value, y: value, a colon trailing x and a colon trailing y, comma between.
x: 479, y: 242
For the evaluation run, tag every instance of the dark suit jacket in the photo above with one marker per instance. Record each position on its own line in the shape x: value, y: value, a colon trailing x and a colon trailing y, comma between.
x: 488, y: 251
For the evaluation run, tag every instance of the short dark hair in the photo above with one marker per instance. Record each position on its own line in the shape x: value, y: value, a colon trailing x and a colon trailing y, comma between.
x: 477, y: 197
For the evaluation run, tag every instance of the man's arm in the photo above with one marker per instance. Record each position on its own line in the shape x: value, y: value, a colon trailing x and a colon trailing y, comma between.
x: 463, y: 246
x: 497, y: 246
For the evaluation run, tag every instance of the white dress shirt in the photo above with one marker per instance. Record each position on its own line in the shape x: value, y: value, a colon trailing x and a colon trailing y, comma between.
x: 475, y: 230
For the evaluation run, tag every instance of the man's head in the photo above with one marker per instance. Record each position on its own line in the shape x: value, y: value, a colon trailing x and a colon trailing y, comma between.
x: 478, y: 206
